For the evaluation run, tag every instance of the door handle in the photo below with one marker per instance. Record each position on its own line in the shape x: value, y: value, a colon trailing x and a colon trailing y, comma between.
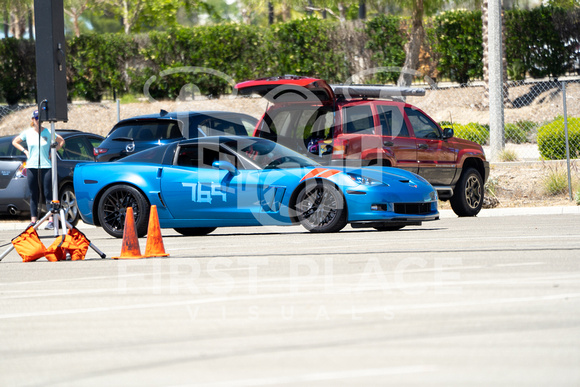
x: 388, y: 143
x: 422, y: 146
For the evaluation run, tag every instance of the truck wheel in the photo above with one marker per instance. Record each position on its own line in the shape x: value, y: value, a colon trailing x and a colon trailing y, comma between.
x: 468, y: 196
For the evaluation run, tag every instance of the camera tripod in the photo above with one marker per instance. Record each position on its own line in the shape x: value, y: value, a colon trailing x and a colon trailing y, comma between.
x: 56, y: 211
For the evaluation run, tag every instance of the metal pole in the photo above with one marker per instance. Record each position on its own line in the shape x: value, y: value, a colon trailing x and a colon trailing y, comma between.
x: 54, y: 173
x: 118, y: 110
x: 496, y: 117
x: 567, y: 141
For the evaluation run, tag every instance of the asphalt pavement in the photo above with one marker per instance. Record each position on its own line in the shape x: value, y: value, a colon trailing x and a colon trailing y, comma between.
x: 486, y: 301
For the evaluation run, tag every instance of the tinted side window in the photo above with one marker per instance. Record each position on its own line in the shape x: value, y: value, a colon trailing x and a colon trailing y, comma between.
x: 76, y: 148
x: 203, y: 156
x: 392, y: 121
x: 358, y: 119
x: 422, y: 125
x: 95, y: 141
x: 219, y: 127
x: 149, y: 131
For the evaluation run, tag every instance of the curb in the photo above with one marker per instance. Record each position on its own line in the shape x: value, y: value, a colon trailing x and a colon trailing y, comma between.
x: 517, y: 211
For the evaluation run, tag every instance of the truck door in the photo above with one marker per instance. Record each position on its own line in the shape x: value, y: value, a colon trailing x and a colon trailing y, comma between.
x: 396, y: 139
x: 435, y: 155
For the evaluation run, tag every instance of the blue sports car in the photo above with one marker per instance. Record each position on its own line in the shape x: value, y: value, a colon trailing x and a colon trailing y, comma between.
x: 205, y: 183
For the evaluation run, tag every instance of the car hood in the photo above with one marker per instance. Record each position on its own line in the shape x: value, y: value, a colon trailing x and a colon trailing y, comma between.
x: 467, y: 145
x: 288, y: 89
x: 387, y: 175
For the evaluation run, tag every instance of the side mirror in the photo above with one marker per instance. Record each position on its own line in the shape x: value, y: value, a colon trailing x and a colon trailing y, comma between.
x: 447, y: 133
x: 227, y: 166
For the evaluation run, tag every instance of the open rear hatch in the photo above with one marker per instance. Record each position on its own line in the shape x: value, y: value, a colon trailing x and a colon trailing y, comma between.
x: 288, y: 88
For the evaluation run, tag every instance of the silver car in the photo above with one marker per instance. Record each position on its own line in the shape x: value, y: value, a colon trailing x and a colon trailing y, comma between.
x: 14, y: 193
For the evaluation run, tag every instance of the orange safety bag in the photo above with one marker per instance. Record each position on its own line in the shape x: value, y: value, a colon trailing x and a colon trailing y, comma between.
x: 75, y: 244
x: 79, y: 244
x: 56, y: 251
x: 28, y: 245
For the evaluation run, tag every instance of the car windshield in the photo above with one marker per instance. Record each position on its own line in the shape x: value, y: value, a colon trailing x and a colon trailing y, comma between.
x: 267, y: 154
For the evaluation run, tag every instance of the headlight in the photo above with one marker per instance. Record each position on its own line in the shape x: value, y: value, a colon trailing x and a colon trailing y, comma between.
x: 431, y: 197
x: 363, y: 180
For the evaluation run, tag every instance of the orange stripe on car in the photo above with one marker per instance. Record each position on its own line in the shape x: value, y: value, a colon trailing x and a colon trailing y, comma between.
x: 320, y: 172
x: 328, y: 173
x: 313, y: 173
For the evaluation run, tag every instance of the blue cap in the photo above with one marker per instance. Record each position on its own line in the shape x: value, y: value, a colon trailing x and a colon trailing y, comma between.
x: 35, y: 114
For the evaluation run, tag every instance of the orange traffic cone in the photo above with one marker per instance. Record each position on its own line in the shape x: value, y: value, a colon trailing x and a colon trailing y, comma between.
x: 130, y: 249
x: 154, y: 246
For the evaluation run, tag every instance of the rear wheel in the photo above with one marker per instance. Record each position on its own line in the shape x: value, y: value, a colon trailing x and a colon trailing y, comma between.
x: 194, y: 231
x: 320, y: 207
x: 467, y: 198
x: 68, y: 202
x: 113, y: 207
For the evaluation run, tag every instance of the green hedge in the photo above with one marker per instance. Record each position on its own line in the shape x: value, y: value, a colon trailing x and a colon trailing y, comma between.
x: 17, y: 70
x: 473, y: 132
x: 539, y: 42
x: 459, y: 43
x: 96, y: 65
x: 552, y: 139
x: 305, y: 47
x: 207, y: 58
x: 385, y: 41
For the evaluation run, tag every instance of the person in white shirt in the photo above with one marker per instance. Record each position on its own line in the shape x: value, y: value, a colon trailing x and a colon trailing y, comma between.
x: 38, y: 163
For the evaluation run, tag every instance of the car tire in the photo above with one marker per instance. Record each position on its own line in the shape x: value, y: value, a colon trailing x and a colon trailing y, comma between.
x: 467, y: 198
x: 68, y: 202
x: 320, y: 207
x: 113, y: 206
x: 195, y: 231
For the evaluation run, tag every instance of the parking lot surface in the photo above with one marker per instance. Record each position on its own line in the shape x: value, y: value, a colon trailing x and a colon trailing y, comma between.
x: 490, y: 301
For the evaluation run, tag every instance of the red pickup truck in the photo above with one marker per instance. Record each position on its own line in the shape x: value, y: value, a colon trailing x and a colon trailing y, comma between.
x: 371, y: 125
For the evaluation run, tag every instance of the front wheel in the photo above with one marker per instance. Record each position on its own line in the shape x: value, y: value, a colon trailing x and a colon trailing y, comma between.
x: 68, y: 201
x: 194, y: 231
x: 113, y: 207
x: 320, y: 208
x: 468, y: 196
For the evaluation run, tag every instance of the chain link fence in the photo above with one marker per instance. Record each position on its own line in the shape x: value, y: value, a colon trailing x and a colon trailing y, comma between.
x: 535, y: 117
x: 541, y: 124
x: 6, y: 110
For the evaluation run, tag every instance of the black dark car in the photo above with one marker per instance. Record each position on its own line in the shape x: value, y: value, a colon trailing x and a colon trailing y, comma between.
x: 143, y: 132
x: 14, y: 194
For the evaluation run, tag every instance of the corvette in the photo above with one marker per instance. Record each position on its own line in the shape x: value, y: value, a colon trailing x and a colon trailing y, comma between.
x: 224, y: 181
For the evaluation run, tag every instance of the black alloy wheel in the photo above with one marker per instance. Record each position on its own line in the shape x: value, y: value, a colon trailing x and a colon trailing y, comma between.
x: 320, y: 207
x: 113, y: 208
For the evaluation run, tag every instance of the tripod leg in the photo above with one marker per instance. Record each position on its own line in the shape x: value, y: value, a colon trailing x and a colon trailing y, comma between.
x: 96, y: 249
x: 36, y: 225
x: 70, y: 226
